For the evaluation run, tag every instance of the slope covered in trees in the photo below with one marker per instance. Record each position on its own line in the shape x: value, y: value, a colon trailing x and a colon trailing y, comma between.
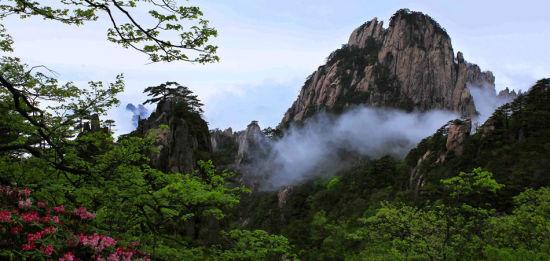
x: 514, y: 144
x: 371, y: 211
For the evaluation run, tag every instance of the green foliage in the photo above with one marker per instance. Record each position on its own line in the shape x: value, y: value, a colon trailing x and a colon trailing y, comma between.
x: 527, y: 228
x: 333, y: 182
x: 465, y: 184
x: 318, y: 214
x: 53, y: 141
x: 38, y: 231
x: 170, y: 32
x: 171, y: 214
x: 513, y: 145
x: 255, y: 245
x: 325, y: 220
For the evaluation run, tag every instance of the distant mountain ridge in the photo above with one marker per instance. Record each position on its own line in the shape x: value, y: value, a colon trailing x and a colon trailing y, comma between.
x: 410, y: 65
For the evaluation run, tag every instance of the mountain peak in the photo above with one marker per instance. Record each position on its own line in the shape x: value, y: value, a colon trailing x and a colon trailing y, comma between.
x: 415, y: 18
x: 410, y: 65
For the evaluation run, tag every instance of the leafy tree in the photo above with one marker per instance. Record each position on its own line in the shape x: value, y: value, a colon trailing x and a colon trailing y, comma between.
x: 255, y: 245
x: 44, y: 145
x: 174, y: 32
x: 526, y: 231
x: 452, y: 229
x: 48, y: 131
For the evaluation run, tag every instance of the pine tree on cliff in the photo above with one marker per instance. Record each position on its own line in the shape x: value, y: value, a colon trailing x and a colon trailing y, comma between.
x: 174, y: 90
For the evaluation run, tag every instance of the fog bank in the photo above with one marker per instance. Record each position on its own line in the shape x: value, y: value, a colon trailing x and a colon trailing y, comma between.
x: 318, y: 145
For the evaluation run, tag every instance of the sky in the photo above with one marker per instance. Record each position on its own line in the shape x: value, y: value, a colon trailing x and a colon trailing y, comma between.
x: 268, y: 48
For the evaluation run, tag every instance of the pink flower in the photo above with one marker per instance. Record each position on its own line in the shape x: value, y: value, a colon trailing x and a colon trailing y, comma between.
x: 69, y: 256
x: 31, y: 237
x: 55, y: 219
x: 26, y: 192
x: 16, y: 230
x: 48, y: 250
x: 108, y: 241
x: 27, y: 203
x: 41, y: 204
x: 28, y: 247
x: 96, y: 241
x: 83, y: 213
x: 59, y: 209
x: 5, y: 216
x: 49, y: 230
x: 113, y: 257
x: 45, y: 219
x: 30, y: 217
x: 127, y: 256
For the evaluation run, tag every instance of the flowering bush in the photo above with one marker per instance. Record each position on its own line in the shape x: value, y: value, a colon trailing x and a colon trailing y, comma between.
x: 37, y: 231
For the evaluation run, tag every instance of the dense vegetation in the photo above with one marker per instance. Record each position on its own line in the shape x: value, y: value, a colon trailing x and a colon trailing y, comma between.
x: 69, y: 189
x: 514, y: 144
x: 371, y: 212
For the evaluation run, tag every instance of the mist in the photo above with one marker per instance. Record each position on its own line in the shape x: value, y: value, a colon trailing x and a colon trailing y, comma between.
x: 316, y: 147
x: 324, y: 144
x: 139, y: 112
x: 486, y: 102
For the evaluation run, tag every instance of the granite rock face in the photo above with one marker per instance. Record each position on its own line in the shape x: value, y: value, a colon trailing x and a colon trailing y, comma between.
x: 457, y: 132
x: 409, y: 65
x: 236, y: 149
x: 252, y: 144
x: 508, y: 95
x: 182, y: 141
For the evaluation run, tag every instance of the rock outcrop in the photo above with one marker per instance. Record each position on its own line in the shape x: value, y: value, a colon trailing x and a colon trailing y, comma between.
x: 508, y: 95
x: 457, y: 132
x: 221, y: 139
x: 182, y: 136
x: 252, y: 143
x: 409, y: 65
x: 239, y: 148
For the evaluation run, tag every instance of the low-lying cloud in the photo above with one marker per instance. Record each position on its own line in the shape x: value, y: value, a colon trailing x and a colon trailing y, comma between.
x: 486, y: 102
x: 316, y: 147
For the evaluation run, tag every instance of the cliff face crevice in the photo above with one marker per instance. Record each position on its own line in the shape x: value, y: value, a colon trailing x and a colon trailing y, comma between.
x: 409, y: 65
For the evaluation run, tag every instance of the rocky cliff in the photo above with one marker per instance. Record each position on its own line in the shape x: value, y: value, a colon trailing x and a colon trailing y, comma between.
x: 508, y: 95
x: 253, y: 144
x: 239, y: 148
x: 409, y: 65
x: 514, y: 144
x: 182, y: 136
